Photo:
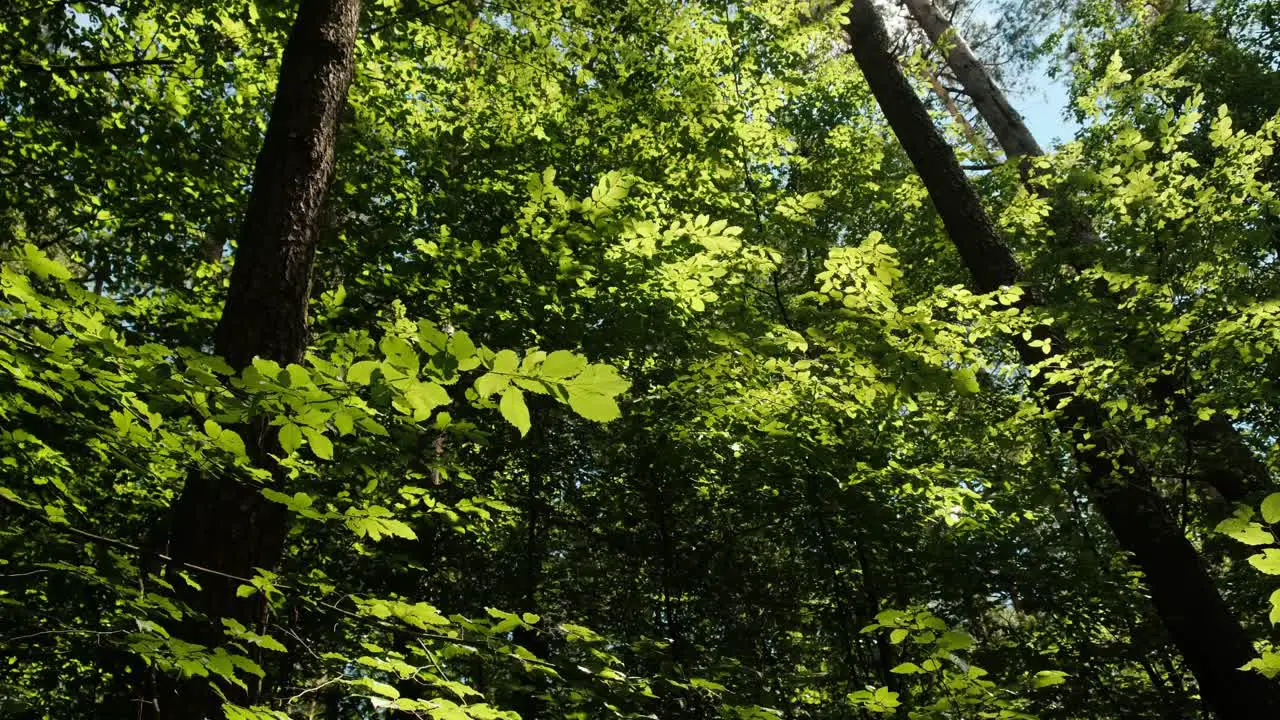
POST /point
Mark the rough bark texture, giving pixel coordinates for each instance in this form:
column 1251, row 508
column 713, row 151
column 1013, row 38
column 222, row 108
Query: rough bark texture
column 1005, row 122
column 966, row 222
column 220, row 523
column 266, row 309
column 1120, row 488
column 1224, row 461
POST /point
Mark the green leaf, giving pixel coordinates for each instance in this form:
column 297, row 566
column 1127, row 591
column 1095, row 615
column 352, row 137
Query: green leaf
column 1268, row 664
column 955, row 640
column 907, row 668
column 887, row 617
column 591, row 393
column 212, row 429
column 506, row 361
column 1241, row 530
column 1047, row 678
column 601, row 379
column 562, row 364
column 376, row 522
column 320, row 445
column 273, row 496
column 709, row 685
column 379, row 687
column 362, row 372
column 296, row 375
column 266, row 642
column 462, row 349
column 1268, row 561
column 886, row 697
column 965, row 381
column 592, row 406
column 228, row 440
column 220, row 663
column 290, row 437
column 344, row 422
column 1271, row 508
column 513, row 408
column 898, row 635
column 489, row 383
column 424, row 397
column 250, row 666
column 42, row 265
column 231, row 441
column 432, row 338
column 400, row 354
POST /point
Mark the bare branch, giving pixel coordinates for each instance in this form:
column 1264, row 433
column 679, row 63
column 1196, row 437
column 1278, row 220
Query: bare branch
column 99, row 67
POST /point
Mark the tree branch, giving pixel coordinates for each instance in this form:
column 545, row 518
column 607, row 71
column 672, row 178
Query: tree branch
column 99, row 67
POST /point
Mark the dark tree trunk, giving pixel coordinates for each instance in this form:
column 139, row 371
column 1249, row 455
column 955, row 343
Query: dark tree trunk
column 1197, row 619
column 958, row 205
column 266, row 309
column 220, row 523
column 1223, row 459
column 532, row 703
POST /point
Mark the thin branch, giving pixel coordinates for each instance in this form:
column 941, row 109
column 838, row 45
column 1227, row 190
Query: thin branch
column 26, row 574
column 99, row 67
column 68, row 631
column 301, row 642
column 319, row 687
column 409, row 16
column 496, row 53
column 30, row 10
column 122, row 545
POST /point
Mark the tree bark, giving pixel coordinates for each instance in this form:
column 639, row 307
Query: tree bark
column 1006, row 123
column 958, row 117
column 266, row 308
column 1120, row 488
column 1224, row 459
column 957, row 203
column 221, row 523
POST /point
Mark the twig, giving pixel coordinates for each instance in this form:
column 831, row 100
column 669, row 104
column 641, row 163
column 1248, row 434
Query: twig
column 301, row 642
column 99, row 67
column 321, row 686
column 112, row 542
column 25, row 574
column 68, row 631
column 409, row 16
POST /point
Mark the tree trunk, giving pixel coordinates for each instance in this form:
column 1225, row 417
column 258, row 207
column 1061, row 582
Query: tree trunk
column 221, row 523
column 1120, row 488
column 958, row 117
column 531, row 704
column 1005, row 122
column 958, row 205
column 1224, row 460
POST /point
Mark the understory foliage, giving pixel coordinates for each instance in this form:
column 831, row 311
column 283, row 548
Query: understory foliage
column 643, row 379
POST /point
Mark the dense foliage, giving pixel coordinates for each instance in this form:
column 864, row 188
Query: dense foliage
column 643, row 378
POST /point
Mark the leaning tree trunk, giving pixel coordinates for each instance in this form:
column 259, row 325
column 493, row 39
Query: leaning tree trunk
column 1224, row 459
column 1120, row 488
column 1005, row 122
column 220, row 523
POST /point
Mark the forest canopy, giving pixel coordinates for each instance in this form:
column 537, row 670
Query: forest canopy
column 586, row 359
